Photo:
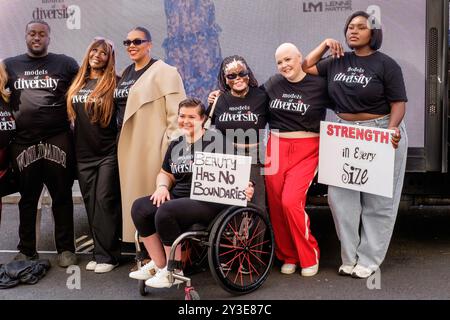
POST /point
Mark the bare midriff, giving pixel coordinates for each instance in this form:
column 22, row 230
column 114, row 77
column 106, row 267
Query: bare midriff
column 296, row 134
column 359, row 116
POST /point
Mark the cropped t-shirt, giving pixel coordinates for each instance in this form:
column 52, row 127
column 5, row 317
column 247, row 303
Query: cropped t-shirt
column 363, row 83
column 297, row 106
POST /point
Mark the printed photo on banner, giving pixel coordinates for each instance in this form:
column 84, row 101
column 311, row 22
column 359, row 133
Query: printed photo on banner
column 356, row 157
column 220, row 178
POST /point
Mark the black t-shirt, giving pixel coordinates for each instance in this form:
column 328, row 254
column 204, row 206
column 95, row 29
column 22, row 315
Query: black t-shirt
column 180, row 157
column 91, row 140
column 249, row 112
column 38, row 94
column 297, row 106
column 128, row 78
column 363, row 84
column 7, row 124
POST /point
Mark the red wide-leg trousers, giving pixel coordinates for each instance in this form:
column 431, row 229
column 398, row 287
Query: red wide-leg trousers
column 286, row 187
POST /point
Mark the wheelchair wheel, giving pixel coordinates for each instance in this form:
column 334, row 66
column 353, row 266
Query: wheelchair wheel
column 241, row 252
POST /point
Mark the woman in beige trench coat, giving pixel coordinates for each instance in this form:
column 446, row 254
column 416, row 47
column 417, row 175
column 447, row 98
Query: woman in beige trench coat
column 149, row 122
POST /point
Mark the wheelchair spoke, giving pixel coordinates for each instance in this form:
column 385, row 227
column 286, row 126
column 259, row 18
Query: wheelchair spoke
column 232, row 261
column 227, row 252
column 250, row 267
column 237, row 255
column 259, row 244
column 230, row 240
column 237, row 235
column 254, row 233
column 257, row 258
column 260, row 251
column 239, row 273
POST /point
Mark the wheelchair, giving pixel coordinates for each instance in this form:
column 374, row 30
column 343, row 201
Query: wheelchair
column 238, row 245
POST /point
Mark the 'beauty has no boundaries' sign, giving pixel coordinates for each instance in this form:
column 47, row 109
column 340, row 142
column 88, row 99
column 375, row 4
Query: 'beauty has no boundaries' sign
column 220, row 178
column 357, row 158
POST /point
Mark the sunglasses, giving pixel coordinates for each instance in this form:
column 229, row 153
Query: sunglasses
column 136, row 42
column 109, row 42
column 232, row 76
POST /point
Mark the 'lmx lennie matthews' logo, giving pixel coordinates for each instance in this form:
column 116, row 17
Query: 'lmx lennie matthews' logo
column 327, row 6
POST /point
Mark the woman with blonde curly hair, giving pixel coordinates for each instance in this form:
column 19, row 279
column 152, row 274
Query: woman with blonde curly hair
column 91, row 110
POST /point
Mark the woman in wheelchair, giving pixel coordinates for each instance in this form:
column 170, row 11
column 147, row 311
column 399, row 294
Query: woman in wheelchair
column 168, row 212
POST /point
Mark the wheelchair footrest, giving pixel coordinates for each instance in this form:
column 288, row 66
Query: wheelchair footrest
column 173, row 264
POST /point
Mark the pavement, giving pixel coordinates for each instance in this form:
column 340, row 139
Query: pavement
column 417, row 266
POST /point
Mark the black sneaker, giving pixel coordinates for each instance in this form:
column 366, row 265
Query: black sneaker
column 23, row 257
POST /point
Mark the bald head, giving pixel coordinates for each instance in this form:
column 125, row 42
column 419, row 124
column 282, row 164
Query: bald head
column 289, row 62
column 287, row 48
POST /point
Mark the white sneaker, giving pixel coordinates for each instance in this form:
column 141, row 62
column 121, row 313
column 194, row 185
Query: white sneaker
column 161, row 279
column 310, row 271
column 104, row 267
column 362, row 272
column 288, row 268
column 91, row 265
column 146, row 272
column 346, row 270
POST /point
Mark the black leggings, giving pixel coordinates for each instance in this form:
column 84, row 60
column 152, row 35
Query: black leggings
column 173, row 217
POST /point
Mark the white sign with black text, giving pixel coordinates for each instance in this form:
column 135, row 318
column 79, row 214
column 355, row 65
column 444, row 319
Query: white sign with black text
column 356, row 157
column 220, row 178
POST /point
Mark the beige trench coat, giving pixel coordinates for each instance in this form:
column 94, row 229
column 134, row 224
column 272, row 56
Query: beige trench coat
column 149, row 122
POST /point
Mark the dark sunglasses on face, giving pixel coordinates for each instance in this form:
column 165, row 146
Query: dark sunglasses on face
column 232, row 76
column 136, row 42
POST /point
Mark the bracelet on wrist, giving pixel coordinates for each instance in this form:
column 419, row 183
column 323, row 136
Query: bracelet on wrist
column 163, row 185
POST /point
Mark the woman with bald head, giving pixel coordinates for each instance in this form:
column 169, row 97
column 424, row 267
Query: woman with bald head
column 298, row 103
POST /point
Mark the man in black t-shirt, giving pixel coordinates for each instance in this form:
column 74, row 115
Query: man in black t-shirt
column 42, row 151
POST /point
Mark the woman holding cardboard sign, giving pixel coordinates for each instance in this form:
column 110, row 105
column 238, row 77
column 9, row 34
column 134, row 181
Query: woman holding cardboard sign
column 368, row 89
column 168, row 212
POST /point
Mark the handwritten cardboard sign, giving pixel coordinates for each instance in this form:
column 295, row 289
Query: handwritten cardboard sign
column 220, row 178
column 357, row 158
